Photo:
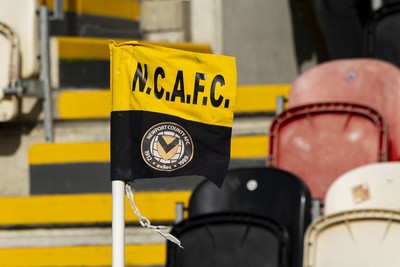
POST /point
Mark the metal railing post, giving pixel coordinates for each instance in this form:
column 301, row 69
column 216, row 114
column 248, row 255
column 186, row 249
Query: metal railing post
column 179, row 212
column 58, row 12
column 280, row 104
column 45, row 72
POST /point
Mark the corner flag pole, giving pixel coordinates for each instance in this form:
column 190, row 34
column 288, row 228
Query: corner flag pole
column 118, row 223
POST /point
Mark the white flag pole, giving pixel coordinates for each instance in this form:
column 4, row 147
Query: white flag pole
column 118, row 223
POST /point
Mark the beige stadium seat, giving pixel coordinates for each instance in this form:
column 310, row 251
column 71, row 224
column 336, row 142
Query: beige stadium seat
column 372, row 186
column 7, row 73
column 19, row 42
column 6, row 57
column 21, row 17
column 357, row 238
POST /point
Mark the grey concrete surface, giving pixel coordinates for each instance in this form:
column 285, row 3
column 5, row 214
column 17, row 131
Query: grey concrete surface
column 75, row 237
column 258, row 33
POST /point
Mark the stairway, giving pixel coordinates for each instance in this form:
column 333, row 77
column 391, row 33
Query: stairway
column 56, row 208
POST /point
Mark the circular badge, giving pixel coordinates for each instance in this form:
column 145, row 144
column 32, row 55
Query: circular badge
column 167, row 147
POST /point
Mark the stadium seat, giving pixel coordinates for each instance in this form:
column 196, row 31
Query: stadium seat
column 228, row 239
column 361, row 220
column 19, row 40
column 319, row 142
column 370, row 82
column 383, row 33
column 21, row 17
column 355, row 238
column 30, row 75
column 8, row 104
column 7, row 38
column 372, row 186
column 267, row 192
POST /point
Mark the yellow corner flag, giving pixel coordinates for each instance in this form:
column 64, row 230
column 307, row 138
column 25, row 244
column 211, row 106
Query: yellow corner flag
column 172, row 112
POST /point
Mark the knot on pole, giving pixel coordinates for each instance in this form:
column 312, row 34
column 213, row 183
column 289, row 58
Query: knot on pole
column 144, row 222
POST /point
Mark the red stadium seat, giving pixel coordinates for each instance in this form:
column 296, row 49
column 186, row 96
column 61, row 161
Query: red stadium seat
column 369, row 82
column 319, row 142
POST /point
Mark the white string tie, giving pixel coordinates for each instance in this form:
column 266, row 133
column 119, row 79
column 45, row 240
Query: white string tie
column 144, row 222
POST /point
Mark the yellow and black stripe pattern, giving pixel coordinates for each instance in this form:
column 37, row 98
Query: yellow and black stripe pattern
column 122, row 9
column 85, row 62
column 97, row 18
column 84, row 167
column 96, row 104
column 90, row 212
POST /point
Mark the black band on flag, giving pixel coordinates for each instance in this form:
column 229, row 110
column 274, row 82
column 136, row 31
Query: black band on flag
column 148, row 145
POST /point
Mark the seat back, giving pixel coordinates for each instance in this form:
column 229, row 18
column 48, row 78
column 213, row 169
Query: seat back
column 357, row 238
column 268, row 192
column 20, row 16
column 373, row 186
column 319, row 142
column 6, row 56
column 19, row 42
column 384, row 34
column 369, row 82
column 9, row 72
column 226, row 240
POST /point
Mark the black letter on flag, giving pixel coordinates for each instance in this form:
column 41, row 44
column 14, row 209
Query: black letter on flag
column 179, row 83
column 216, row 102
column 159, row 72
column 197, row 87
column 139, row 75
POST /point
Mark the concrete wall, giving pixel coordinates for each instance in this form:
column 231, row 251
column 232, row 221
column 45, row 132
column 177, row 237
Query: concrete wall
column 257, row 32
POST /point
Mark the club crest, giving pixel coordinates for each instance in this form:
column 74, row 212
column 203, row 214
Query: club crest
column 167, row 146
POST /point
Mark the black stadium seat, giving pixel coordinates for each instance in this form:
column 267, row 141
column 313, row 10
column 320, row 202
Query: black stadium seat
column 271, row 193
column 384, row 34
column 229, row 239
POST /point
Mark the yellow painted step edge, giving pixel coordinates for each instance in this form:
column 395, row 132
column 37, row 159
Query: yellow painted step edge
column 242, row 147
column 121, row 9
column 86, row 208
column 95, row 104
column 135, row 255
column 53, row 153
column 259, row 98
column 73, row 48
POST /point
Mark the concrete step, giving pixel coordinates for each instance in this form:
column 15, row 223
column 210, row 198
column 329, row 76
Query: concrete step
column 80, row 154
column 103, row 8
column 19, row 138
column 97, row 18
column 74, row 236
column 78, row 62
column 151, row 255
column 72, row 104
column 67, row 168
column 75, row 230
column 79, row 247
column 85, row 209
